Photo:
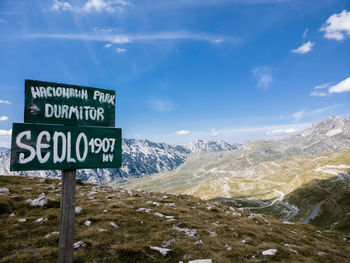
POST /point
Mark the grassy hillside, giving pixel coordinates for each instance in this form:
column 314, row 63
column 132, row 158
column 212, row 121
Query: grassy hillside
column 333, row 195
column 189, row 227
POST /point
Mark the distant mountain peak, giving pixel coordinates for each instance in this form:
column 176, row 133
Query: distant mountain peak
column 329, row 126
column 209, row 146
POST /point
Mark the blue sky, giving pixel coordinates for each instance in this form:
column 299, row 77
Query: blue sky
column 232, row 69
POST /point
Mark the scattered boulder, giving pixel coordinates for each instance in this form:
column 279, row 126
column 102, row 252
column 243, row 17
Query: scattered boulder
column 4, row 191
column 22, row 220
column 269, row 252
column 78, row 210
column 55, row 233
column 79, row 244
column 40, row 201
column 41, row 219
column 161, row 250
column 87, row 223
column 113, row 224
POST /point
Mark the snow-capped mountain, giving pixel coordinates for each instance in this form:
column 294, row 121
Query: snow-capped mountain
column 209, row 146
column 140, row 157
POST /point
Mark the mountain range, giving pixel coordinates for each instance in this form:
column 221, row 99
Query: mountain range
column 140, row 158
column 217, row 171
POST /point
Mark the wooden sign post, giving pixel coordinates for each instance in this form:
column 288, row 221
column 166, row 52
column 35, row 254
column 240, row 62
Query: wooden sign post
column 67, row 143
column 66, row 240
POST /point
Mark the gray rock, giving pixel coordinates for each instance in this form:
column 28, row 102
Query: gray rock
column 40, row 201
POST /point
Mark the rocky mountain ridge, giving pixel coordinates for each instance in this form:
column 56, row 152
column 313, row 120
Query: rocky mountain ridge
column 140, row 157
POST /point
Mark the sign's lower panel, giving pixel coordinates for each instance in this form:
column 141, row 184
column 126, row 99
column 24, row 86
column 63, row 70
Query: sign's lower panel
column 55, row 147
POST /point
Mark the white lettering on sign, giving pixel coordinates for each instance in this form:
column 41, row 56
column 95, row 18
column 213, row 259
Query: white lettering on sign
column 40, row 145
column 27, row 135
column 77, row 147
column 107, row 157
column 76, row 112
column 104, row 97
column 61, row 147
column 56, row 158
column 49, row 92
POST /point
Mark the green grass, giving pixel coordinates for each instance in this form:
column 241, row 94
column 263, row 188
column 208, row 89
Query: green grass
column 137, row 231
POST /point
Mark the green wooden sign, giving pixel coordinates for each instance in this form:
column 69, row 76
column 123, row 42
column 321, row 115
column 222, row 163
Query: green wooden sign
column 51, row 147
column 49, row 102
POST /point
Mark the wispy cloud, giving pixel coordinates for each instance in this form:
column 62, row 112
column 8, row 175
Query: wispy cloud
column 182, row 132
column 5, row 101
column 305, row 32
column 161, row 105
column 317, row 93
column 264, row 76
column 341, row 87
column 107, row 45
column 281, row 131
column 322, row 86
column 137, row 37
column 304, row 48
column 309, row 113
column 97, row 6
column 120, row 50
column 3, row 118
column 337, row 26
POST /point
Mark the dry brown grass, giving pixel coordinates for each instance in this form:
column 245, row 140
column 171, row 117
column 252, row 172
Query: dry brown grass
column 137, row 231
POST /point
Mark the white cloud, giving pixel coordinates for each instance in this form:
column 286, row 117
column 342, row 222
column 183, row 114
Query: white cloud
column 309, row 113
column 322, row 86
column 264, row 76
column 217, row 41
column 182, row 132
column 298, row 115
column 120, row 40
column 5, row 101
column 107, row 45
column 161, row 105
column 305, row 48
column 61, row 6
column 341, row 87
column 316, row 93
column 281, row 131
column 5, row 138
column 305, row 32
column 120, row 50
column 126, row 38
column 109, row 6
column 337, row 26
column 3, row 118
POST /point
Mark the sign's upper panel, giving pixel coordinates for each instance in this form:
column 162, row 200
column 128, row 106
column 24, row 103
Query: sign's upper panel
column 48, row 102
